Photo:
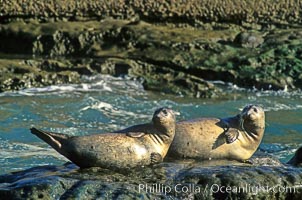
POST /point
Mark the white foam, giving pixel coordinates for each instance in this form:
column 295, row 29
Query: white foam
column 98, row 105
column 22, row 150
column 110, row 110
column 100, row 83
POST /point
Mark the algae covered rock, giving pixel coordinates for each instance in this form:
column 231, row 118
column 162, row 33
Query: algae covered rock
column 183, row 45
column 249, row 39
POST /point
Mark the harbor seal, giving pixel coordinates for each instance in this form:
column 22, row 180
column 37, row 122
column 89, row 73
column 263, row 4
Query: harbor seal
column 117, row 151
column 233, row 138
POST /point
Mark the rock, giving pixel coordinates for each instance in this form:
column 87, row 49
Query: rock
column 216, row 13
column 264, row 159
column 249, row 39
column 296, row 160
column 177, row 180
column 183, row 48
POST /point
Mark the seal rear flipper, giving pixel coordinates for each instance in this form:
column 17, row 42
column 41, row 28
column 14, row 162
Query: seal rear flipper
column 55, row 140
column 155, row 158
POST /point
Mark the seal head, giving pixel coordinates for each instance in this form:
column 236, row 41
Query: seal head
column 164, row 119
column 252, row 122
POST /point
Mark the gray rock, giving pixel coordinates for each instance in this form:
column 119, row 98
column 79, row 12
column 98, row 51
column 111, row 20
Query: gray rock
column 249, row 39
column 177, row 180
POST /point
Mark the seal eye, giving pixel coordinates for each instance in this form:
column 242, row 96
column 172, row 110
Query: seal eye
column 255, row 110
column 165, row 112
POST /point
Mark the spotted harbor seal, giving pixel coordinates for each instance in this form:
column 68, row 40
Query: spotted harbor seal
column 233, row 138
column 117, row 150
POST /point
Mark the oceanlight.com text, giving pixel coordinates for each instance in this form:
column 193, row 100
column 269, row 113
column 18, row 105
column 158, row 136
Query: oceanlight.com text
column 214, row 188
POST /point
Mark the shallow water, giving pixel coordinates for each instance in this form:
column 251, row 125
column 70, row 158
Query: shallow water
column 105, row 103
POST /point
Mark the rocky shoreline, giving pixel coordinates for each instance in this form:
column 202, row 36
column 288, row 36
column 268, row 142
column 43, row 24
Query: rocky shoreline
column 175, row 47
column 202, row 14
column 176, row 180
column 181, row 47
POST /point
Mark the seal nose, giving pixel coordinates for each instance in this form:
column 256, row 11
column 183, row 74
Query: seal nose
column 160, row 113
column 164, row 112
column 157, row 116
column 252, row 110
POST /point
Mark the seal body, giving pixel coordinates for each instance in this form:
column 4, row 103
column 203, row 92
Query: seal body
column 117, row 150
column 233, row 138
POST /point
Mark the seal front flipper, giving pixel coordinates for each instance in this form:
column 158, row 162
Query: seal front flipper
column 230, row 133
column 155, row 158
column 135, row 134
column 231, row 136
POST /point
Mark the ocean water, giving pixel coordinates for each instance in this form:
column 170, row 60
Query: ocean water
column 104, row 103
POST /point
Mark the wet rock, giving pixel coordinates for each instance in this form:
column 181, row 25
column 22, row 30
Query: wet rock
column 36, row 73
column 164, row 79
column 177, row 180
column 264, row 159
column 296, row 160
column 249, row 39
